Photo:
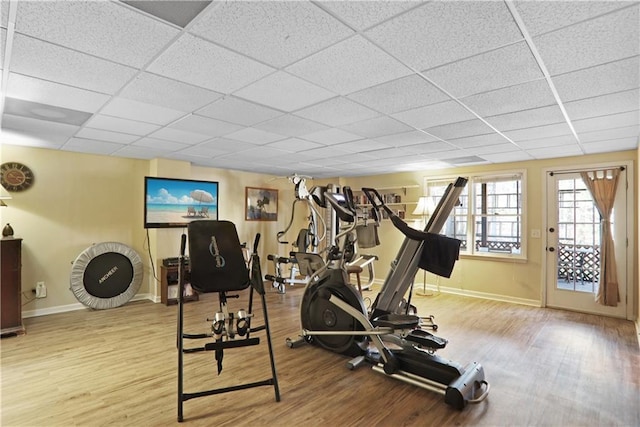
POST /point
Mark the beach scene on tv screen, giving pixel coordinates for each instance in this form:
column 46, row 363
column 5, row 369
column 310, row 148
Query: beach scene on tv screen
column 179, row 202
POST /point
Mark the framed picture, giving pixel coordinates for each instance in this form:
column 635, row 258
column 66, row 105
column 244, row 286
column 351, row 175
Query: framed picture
column 261, row 204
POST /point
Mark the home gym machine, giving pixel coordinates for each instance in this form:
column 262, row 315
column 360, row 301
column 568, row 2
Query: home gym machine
column 333, row 315
column 217, row 264
column 308, row 239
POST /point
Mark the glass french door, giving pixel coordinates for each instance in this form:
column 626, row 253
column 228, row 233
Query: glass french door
column 573, row 245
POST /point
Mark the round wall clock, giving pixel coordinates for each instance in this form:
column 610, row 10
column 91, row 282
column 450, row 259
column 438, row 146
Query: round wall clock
column 15, row 176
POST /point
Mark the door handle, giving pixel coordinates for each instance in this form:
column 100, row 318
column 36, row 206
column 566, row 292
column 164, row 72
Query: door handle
column 551, row 230
column 551, row 249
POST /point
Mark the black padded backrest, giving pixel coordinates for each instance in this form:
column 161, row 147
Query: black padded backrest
column 216, row 258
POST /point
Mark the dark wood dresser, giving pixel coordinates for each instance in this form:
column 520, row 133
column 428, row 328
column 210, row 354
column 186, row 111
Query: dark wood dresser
column 11, row 286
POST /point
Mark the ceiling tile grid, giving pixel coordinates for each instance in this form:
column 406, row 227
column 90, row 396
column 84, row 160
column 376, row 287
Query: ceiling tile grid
column 349, row 66
column 53, row 63
column 201, row 63
column 441, row 32
column 104, row 29
column 488, row 71
column 284, row 87
column 583, row 45
column 284, row 92
column 276, row 33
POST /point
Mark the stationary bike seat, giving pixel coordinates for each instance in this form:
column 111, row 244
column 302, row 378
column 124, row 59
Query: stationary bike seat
column 397, row 321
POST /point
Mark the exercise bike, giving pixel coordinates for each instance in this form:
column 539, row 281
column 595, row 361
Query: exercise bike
column 333, row 315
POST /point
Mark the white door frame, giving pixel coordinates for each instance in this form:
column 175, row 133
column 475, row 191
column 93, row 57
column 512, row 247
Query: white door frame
column 631, row 291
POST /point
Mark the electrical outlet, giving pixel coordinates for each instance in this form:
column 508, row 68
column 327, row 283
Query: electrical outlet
column 41, row 290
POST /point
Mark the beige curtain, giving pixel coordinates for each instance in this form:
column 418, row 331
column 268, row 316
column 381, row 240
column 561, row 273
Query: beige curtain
column 602, row 185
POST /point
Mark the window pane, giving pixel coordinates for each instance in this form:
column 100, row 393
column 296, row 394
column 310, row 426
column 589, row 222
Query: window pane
column 498, row 215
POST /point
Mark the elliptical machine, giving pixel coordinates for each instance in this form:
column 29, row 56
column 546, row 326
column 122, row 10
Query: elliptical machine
column 333, row 315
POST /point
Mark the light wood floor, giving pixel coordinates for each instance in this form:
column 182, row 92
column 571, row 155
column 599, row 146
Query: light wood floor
column 118, row 367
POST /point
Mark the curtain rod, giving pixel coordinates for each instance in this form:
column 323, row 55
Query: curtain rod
column 585, row 170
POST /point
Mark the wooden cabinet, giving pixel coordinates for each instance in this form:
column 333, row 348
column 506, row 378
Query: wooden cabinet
column 169, row 285
column 11, row 286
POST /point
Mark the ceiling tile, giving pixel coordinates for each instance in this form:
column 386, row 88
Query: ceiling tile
column 349, row 66
column 57, row 133
column 376, row 127
column 140, row 111
column 441, row 32
column 168, row 93
column 430, row 148
column 611, row 145
column 160, row 144
column 103, row 29
column 537, row 132
column 81, row 145
column 550, row 141
column 294, row 145
column 552, row 152
column 290, row 125
column 284, row 91
column 434, row 115
column 116, row 124
column 527, row 118
column 514, row 98
column 239, row 111
column 332, row 136
column 607, row 122
column 492, row 70
column 482, row 150
column 609, row 134
column 31, row 139
column 50, row 62
column 178, row 135
column 513, row 156
column 364, row 14
column 105, row 135
column 405, row 138
column 479, row 140
column 542, row 16
column 460, row 129
column 35, row 110
column 277, row 33
column 362, row 145
column 46, row 92
column 401, row 94
column 337, row 112
column 227, row 145
column 135, row 152
column 260, row 153
column 177, row 12
column 255, row 136
column 599, row 80
column 3, row 42
column 205, row 126
column 603, row 105
column 4, row 14
column 201, row 63
column 202, row 151
column 583, row 45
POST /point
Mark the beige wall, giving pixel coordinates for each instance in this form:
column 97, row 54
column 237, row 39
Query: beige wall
column 514, row 280
column 80, row 199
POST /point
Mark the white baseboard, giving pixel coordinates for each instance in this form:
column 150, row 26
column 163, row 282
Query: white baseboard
column 483, row 295
column 467, row 293
column 77, row 306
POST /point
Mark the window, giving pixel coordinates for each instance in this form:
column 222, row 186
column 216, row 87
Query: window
column 489, row 217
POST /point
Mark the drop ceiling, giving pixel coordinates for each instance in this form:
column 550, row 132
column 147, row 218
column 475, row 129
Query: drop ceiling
column 326, row 89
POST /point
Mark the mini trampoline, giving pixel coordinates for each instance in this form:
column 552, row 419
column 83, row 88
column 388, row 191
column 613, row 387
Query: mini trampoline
column 106, row 275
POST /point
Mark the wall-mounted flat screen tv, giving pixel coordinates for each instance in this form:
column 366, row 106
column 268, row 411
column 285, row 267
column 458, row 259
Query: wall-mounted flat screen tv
column 171, row 202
